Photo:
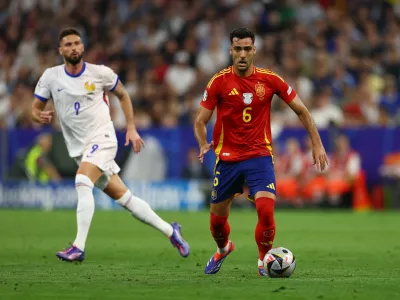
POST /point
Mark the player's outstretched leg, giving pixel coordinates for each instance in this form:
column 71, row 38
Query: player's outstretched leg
column 220, row 231
column 142, row 211
column 265, row 229
column 84, row 215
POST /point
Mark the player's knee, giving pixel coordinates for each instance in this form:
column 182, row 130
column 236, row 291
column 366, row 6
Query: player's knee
column 217, row 223
column 83, row 181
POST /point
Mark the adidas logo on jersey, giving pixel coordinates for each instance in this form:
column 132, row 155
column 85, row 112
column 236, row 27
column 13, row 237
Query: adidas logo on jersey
column 271, row 186
column 233, row 92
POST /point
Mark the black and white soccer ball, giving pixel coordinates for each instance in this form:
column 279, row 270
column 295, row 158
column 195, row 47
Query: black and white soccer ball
column 279, row 262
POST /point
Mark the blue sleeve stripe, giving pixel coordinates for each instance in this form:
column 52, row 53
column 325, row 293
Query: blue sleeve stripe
column 41, row 98
column 115, row 85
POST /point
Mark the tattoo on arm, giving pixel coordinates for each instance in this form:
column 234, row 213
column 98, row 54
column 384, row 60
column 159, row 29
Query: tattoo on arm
column 126, row 103
column 120, row 91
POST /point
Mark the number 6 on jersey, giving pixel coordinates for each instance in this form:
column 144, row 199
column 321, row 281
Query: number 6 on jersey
column 246, row 115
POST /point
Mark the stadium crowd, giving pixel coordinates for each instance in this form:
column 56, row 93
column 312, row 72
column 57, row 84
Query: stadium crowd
column 342, row 58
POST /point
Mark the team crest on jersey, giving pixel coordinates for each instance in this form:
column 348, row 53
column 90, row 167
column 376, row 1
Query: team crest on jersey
column 90, row 87
column 260, row 90
column 247, row 98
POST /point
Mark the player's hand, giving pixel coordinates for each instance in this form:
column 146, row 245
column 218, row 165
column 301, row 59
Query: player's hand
column 133, row 136
column 320, row 157
column 46, row 117
column 204, row 149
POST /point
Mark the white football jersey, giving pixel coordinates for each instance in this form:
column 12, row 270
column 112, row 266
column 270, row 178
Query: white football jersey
column 81, row 104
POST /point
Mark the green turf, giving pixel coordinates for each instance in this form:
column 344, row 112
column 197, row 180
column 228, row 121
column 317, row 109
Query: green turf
column 340, row 256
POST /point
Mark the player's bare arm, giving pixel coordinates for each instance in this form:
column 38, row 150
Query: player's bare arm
column 39, row 115
column 131, row 133
column 200, row 130
column 318, row 150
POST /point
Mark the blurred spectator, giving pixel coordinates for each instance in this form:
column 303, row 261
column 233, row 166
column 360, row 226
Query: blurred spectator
column 313, row 181
column 308, row 11
column 288, row 169
column 189, row 110
column 180, row 76
column 390, row 99
column 325, row 112
column 194, row 168
column 17, row 112
column 4, row 104
column 213, row 58
column 38, row 166
column 150, row 165
column 343, row 173
column 343, row 84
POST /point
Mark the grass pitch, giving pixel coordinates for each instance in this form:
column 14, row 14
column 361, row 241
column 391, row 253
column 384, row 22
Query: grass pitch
column 340, row 255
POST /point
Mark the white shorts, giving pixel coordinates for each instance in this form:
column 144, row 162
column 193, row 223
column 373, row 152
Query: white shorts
column 102, row 156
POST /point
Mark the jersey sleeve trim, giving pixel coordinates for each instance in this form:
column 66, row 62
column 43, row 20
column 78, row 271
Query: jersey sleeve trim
column 268, row 72
column 43, row 99
column 292, row 94
column 209, row 106
column 115, row 85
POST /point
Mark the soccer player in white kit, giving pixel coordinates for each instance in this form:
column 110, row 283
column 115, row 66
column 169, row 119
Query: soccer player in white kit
column 78, row 90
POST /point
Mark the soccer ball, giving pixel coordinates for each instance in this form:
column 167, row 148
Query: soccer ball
column 279, row 262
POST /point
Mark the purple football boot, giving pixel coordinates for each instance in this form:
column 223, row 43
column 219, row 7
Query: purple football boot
column 215, row 262
column 71, row 254
column 261, row 271
column 178, row 242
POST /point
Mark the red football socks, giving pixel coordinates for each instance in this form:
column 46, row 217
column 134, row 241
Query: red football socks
column 265, row 229
column 220, row 229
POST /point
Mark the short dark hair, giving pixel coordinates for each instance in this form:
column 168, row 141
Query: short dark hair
column 68, row 31
column 242, row 33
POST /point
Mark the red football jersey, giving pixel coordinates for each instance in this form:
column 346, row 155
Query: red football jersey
column 243, row 129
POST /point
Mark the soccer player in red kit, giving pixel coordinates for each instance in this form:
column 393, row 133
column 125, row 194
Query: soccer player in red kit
column 242, row 140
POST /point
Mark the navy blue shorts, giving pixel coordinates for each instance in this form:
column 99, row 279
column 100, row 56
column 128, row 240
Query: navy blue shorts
column 230, row 177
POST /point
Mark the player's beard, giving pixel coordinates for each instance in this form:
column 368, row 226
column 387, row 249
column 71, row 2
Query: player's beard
column 243, row 68
column 73, row 60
